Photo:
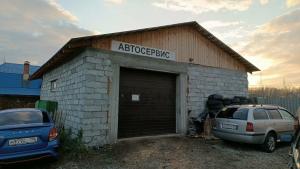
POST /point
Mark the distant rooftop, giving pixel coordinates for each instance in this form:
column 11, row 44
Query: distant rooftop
column 16, row 68
column 12, row 83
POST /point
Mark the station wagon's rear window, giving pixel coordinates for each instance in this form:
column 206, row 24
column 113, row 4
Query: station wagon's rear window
column 22, row 117
column 274, row 114
column 286, row 115
column 234, row 113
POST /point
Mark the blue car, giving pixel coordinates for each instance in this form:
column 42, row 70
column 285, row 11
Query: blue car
column 27, row 134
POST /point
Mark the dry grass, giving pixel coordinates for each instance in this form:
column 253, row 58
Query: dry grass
column 274, row 92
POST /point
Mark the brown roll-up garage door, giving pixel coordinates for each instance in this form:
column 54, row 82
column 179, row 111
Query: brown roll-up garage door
column 147, row 103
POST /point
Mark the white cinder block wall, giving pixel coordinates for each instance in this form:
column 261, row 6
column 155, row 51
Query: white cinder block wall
column 204, row 81
column 82, row 94
column 84, row 87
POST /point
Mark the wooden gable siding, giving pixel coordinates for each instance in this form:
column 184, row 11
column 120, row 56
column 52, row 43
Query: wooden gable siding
column 185, row 41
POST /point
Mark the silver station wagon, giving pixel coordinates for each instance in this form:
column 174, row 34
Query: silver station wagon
column 255, row 124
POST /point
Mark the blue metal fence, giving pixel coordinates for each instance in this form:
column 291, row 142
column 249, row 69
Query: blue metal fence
column 290, row 103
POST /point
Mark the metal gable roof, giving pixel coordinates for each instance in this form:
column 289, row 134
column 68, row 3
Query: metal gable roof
column 16, row 68
column 11, row 81
column 72, row 46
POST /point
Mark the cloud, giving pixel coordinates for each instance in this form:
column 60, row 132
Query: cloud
column 229, row 32
column 263, row 2
column 200, row 6
column 62, row 10
column 35, row 29
column 292, row 3
column 218, row 24
column 117, row 2
column 275, row 46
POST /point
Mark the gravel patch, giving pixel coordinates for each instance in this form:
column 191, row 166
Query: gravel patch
column 174, row 153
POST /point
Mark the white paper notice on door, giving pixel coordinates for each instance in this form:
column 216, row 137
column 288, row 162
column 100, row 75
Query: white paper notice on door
column 135, row 97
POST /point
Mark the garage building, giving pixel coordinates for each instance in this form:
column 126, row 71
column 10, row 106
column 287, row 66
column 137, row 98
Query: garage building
column 142, row 82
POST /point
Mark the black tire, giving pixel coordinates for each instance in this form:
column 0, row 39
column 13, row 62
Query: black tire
column 215, row 97
column 269, row 144
column 244, row 102
column 236, row 101
column 213, row 103
column 240, row 97
column 216, row 107
column 212, row 115
column 253, row 100
column 227, row 101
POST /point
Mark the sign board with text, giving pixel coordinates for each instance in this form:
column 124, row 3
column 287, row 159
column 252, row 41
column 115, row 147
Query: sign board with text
column 142, row 50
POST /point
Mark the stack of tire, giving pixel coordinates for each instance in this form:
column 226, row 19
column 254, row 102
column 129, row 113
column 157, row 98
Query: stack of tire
column 216, row 102
column 239, row 100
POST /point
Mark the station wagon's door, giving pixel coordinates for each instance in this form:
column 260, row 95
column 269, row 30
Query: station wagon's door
column 288, row 120
column 261, row 120
column 276, row 121
column 279, row 124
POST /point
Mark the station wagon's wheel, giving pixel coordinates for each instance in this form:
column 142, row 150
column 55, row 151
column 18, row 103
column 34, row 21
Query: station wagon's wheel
column 292, row 164
column 270, row 143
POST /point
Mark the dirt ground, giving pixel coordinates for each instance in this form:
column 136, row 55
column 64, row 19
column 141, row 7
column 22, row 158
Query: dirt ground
column 173, row 153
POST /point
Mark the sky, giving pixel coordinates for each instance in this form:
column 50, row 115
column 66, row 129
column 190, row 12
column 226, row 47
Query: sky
column 265, row 32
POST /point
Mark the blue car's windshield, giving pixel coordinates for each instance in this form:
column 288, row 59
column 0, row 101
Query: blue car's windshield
column 22, row 117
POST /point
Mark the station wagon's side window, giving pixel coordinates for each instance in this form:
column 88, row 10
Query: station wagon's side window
column 274, row 114
column 260, row 114
column 286, row 115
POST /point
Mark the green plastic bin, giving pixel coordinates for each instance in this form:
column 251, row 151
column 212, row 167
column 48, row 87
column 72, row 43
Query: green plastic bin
column 49, row 106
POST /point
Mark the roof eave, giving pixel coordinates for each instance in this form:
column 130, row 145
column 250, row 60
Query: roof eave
column 251, row 68
column 65, row 50
column 71, row 47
